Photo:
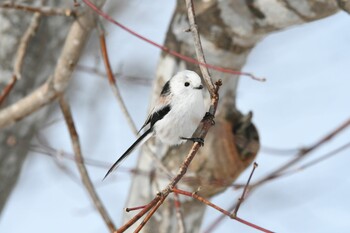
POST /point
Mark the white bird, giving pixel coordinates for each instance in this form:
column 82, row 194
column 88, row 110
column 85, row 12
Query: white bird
column 176, row 115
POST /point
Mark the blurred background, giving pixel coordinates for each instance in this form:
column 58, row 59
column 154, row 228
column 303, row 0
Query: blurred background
column 305, row 97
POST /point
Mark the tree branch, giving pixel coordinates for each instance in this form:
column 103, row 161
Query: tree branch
column 80, row 163
column 21, row 52
column 58, row 83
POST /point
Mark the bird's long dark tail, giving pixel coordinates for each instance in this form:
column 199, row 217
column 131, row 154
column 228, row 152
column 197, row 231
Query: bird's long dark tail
column 142, row 138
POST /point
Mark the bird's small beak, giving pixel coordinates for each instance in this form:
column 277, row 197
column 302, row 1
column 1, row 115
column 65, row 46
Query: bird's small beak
column 199, row 87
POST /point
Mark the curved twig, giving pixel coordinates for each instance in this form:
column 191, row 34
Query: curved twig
column 81, row 166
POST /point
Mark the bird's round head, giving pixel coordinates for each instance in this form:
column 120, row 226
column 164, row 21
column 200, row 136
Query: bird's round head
column 186, row 82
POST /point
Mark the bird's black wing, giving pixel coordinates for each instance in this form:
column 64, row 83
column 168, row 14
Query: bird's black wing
column 156, row 116
column 163, row 94
column 152, row 119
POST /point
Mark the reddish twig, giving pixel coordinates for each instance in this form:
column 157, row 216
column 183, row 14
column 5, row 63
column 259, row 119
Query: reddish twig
column 113, row 83
column 80, row 163
column 225, row 212
column 179, row 215
column 150, row 214
column 135, row 208
column 167, row 50
column 139, row 215
column 6, row 91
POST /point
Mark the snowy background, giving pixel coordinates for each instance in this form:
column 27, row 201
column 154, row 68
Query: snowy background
column 306, row 96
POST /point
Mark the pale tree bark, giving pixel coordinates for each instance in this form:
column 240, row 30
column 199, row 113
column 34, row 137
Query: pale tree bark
column 38, row 63
column 49, row 60
column 229, row 30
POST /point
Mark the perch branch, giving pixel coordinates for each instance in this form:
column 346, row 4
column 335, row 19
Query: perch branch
column 204, row 128
column 198, row 46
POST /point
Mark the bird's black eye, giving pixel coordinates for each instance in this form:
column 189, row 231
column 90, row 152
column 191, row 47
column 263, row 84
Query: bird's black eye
column 187, row 84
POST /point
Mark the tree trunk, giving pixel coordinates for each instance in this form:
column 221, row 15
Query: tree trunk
column 37, row 66
column 45, row 74
column 229, row 30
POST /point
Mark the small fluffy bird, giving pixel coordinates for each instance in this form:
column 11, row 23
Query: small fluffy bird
column 176, row 115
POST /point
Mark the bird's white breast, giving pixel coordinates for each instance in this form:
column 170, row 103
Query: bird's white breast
column 182, row 120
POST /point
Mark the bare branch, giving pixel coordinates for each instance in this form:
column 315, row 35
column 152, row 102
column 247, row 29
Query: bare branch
column 198, row 47
column 240, row 200
column 225, row 212
column 179, row 214
column 58, row 83
column 302, row 154
column 21, row 51
column 47, row 11
column 80, row 163
column 113, row 84
column 23, row 45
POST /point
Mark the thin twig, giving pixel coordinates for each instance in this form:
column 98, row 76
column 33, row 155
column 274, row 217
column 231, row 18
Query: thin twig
column 129, row 209
column 6, row 91
column 113, row 84
column 225, row 212
column 124, row 77
column 302, row 154
column 47, row 11
column 23, row 44
column 80, row 163
column 317, row 160
column 279, row 172
column 167, row 50
column 179, row 214
column 241, row 199
column 149, row 215
column 198, row 46
column 21, row 52
column 279, row 151
column 139, row 215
